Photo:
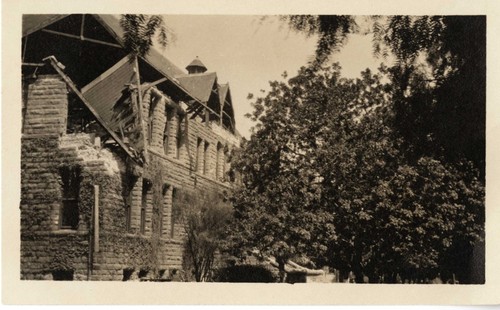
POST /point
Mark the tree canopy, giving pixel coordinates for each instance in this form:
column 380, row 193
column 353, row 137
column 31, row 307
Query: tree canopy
column 440, row 76
column 330, row 173
column 139, row 31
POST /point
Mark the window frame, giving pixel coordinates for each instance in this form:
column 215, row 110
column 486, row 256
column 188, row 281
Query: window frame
column 70, row 197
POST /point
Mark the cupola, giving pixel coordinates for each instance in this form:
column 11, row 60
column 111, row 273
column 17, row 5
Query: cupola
column 196, row 66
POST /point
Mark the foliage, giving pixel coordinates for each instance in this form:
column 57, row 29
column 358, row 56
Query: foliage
column 245, row 274
column 332, row 29
column 139, row 31
column 442, row 101
column 327, row 175
column 440, row 76
column 204, row 216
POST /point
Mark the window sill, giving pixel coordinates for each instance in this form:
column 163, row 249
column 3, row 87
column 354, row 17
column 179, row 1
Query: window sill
column 68, row 231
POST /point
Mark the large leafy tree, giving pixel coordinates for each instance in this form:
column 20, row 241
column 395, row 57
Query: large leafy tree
column 440, row 76
column 435, row 121
column 140, row 30
column 327, row 175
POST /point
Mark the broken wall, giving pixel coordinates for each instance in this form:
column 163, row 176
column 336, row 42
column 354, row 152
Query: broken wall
column 143, row 241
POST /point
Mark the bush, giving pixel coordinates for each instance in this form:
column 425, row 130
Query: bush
column 246, row 273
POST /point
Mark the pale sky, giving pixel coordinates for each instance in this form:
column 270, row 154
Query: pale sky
column 249, row 53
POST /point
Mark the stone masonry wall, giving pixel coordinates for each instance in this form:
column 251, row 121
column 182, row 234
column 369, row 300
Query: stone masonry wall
column 124, row 251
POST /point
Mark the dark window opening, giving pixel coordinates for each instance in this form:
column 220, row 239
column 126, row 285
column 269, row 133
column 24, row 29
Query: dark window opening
column 179, row 135
column 69, row 213
column 166, row 133
column 143, row 220
column 224, row 165
column 205, row 158
column 62, row 275
column 80, row 119
column 199, row 167
column 232, row 177
column 161, row 273
column 146, row 185
column 150, row 122
column 218, row 163
column 127, row 274
column 174, row 211
column 150, row 130
column 143, row 273
column 165, row 139
column 128, row 217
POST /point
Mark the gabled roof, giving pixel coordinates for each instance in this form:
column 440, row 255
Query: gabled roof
column 35, row 22
column 199, row 85
column 154, row 57
column 196, row 86
column 223, row 91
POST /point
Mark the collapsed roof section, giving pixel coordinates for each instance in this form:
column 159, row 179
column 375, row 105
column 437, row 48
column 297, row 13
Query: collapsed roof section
column 90, row 47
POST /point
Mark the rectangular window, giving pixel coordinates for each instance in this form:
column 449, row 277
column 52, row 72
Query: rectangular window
column 179, row 135
column 62, row 275
column 69, row 213
column 165, row 140
column 205, row 158
column 174, row 209
column 127, row 274
column 144, row 205
column 218, row 163
column 130, row 202
column 128, row 217
column 150, row 131
column 199, row 155
column 164, row 208
column 224, row 165
column 166, row 132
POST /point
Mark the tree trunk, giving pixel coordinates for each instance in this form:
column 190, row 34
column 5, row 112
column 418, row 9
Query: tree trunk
column 281, row 268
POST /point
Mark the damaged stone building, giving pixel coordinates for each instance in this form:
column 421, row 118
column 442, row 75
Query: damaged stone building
column 109, row 143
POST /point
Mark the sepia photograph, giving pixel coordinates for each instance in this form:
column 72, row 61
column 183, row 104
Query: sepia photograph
column 322, row 150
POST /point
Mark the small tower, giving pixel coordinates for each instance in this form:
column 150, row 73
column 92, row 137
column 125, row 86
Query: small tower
column 196, row 66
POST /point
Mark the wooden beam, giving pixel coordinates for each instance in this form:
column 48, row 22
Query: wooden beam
column 221, row 111
column 207, row 116
column 53, row 62
column 31, row 64
column 24, row 49
column 148, row 86
column 197, row 111
column 82, row 26
column 96, row 218
column 139, row 104
column 72, row 36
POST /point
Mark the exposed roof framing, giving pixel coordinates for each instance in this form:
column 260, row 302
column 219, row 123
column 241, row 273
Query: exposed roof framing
column 81, row 37
column 55, row 64
column 169, row 75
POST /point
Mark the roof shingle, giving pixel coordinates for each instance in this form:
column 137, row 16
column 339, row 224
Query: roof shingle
column 199, row 85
